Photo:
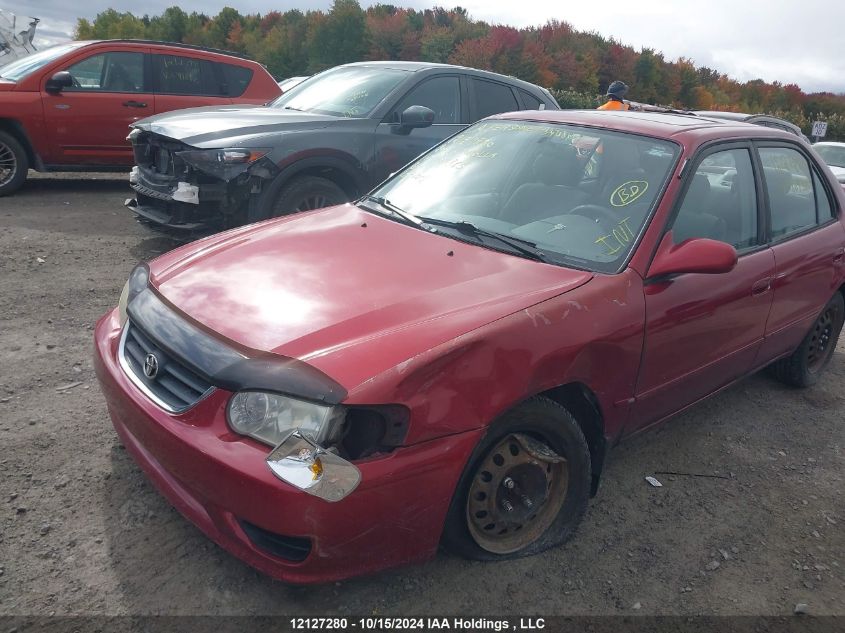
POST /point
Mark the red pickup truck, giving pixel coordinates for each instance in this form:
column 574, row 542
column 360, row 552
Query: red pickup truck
column 68, row 108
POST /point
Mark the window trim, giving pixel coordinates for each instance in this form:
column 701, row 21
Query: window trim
column 145, row 75
column 689, row 172
column 812, row 165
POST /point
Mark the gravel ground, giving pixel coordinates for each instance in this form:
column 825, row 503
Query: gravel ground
column 84, row 533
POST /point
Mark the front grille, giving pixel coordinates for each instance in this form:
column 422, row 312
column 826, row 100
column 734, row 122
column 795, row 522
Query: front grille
column 151, row 193
column 173, row 386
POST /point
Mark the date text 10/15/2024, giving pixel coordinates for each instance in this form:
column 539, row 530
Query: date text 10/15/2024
column 416, row 624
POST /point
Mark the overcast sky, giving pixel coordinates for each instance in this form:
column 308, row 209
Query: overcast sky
column 786, row 41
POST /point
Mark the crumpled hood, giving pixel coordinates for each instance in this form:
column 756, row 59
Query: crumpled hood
column 332, row 282
column 209, row 126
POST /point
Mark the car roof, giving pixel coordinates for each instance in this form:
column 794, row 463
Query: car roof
column 424, row 66
column 830, row 143
column 192, row 47
column 657, row 124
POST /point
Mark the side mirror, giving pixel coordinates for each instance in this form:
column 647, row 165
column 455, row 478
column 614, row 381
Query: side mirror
column 416, row 116
column 59, row 82
column 697, row 255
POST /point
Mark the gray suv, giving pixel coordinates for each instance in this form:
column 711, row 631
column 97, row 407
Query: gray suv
column 330, row 139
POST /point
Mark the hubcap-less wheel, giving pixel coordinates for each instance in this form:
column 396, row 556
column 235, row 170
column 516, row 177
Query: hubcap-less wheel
column 313, row 202
column 8, row 164
column 516, row 494
column 820, row 347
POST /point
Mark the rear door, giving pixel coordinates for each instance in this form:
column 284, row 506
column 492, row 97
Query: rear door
column 395, row 146
column 187, row 81
column 490, row 97
column 704, row 331
column 807, row 240
column 88, row 122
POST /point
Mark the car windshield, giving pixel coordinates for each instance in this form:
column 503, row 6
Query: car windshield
column 345, row 91
column 579, row 196
column 832, row 155
column 22, row 67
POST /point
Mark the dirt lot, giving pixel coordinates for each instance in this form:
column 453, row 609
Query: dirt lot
column 84, row 533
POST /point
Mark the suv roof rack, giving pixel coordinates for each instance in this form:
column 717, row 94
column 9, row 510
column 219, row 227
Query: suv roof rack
column 181, row 45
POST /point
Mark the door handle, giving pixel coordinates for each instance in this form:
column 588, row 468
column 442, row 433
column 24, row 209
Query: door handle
column 761, row 287
column 134, row 104
column 839, row 256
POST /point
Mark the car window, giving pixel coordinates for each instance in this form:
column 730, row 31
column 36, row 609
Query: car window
column 720, row 202
column 492, row 98
column 526, row 180
column 236, row 79
column 825, row 208
column 831, row 154
column 25, row 66
column 178, row 75
column 347, row 91
column 441, row 94
column 792, row 199
column 118, row 71
column 529, row 101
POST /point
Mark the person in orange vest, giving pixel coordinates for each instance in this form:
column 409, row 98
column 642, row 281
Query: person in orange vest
column 615, row 93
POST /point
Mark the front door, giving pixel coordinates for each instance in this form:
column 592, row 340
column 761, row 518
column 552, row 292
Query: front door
column 88, row 121
column 704, row 331
column 395, row 146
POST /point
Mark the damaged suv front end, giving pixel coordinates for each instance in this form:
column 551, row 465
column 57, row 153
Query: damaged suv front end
column 183, row 187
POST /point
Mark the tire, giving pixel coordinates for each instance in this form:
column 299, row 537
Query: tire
column 306, row 193
column 14, row 164
column 806, row 364
column 557, row 508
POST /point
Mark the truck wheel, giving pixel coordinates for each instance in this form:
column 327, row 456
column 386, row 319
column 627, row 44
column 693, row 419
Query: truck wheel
column 805, row 365
column 306, row 194
column 14, row 164
column 525, row 488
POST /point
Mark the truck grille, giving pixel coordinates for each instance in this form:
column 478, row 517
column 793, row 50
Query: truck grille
column 172, row 386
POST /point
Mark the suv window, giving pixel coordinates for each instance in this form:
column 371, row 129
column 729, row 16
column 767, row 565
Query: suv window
column 792, row 191
column 185, row 76
column 236, row 79
column 441, row 94
column 718, row 208
column 109, row 72
column 529, row 101
column 492, row 98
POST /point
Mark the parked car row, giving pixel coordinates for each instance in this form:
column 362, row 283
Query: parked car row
column 440, row 340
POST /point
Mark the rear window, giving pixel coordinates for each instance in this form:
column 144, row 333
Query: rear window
column 236, row 79
column 529, row 101
column 492, row 98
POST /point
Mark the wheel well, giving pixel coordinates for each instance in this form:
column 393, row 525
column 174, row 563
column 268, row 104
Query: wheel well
column 338, row 176
column 13, row 127
column 842, row 290
column 583, row 404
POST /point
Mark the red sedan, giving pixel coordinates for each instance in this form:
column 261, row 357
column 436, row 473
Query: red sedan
column 448, row 359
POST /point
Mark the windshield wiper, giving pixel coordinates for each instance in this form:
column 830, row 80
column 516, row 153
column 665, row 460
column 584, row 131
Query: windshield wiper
column 524, row 247
column 407, row 218
column 292, row 108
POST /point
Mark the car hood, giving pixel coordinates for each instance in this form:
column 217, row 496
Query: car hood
column 207, row 126
column 329, row 283
column 839, row 172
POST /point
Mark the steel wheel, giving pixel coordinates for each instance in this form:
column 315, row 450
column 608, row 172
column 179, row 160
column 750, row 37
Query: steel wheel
column 313, row 202
column 515, row 494
column 820, row 347
column 8, row 164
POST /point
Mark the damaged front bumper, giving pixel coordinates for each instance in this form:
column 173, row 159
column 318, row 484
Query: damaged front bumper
column 183, row 188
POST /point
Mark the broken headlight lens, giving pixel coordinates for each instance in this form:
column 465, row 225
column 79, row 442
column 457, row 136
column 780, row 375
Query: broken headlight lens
column 137, row 282
column 271, row 417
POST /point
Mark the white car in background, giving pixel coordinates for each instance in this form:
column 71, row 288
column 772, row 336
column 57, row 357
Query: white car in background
column 834, row 155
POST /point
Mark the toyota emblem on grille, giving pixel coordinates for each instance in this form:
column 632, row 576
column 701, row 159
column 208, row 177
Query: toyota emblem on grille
column 150, row 366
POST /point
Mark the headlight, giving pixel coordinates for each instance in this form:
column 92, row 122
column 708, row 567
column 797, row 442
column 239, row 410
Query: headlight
column 138, row 280
column 222, row 162
column 270, row 417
